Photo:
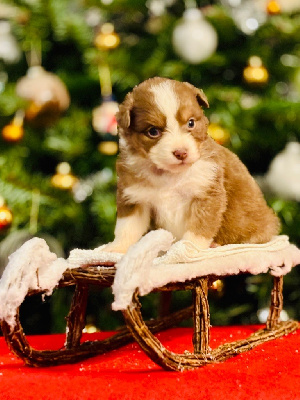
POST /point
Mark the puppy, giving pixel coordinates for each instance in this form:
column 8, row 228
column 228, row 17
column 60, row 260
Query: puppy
column 172, row 175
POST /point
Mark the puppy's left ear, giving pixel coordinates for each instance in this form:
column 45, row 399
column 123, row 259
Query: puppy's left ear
column 200, row 96
column 123, row 115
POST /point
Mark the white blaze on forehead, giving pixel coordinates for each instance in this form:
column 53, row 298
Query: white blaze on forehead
column 166, row 100
column 174, row 137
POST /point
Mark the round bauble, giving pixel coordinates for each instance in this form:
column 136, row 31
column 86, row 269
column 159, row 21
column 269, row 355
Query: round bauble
column 248, row 15
column 158, row 7
column 13, row 132
column 107, row 38
column 217, row 285
column 194, row 39
column 283, row 176
column 64, row 179
column 273, row 7
column 47, row 95
column 104, row 118
column 255, row 72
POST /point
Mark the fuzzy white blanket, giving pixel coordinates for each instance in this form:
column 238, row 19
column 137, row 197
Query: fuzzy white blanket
column 143, row 267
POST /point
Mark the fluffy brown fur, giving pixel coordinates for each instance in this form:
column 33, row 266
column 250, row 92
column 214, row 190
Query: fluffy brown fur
column 172, row 175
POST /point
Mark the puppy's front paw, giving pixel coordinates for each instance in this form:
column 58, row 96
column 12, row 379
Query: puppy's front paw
column 114, row 247
column 214, row 245
column 199, row 241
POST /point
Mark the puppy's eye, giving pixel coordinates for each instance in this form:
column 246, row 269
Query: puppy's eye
column 191, row 123
column 153, row 133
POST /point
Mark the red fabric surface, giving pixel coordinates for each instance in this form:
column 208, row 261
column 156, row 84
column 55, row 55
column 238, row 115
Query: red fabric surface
column 270, row 371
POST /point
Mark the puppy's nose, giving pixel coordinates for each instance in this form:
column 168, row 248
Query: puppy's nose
column 180, row 154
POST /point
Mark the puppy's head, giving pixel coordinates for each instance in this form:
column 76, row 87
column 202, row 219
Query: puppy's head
column 162, row 120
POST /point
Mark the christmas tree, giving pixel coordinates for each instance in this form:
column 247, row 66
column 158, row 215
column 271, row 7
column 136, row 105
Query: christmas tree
column 65, row 64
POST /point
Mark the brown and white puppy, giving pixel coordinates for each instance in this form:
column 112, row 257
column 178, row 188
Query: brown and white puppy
column 171, row 175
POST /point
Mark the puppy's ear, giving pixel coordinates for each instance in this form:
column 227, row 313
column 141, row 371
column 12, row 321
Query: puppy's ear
column 200, row 96
column 123, row 115
column 202, row 99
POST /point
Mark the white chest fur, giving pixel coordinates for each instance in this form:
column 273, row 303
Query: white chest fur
column 171, row 212
column 169, row 196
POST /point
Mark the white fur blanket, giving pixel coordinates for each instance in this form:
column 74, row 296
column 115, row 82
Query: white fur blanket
column 33, row 266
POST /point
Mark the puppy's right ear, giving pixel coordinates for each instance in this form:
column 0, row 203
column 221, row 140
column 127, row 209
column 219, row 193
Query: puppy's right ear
column 123, row 115
column 200, row 96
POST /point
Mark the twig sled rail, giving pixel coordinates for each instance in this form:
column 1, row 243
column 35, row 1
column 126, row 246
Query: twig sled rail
column 203, row 354
column 73, row 350
column 137, row 273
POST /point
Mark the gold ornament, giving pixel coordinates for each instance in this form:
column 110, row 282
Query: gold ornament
column 90, row 328
column 107, row 38
column 5, row 215
column 255, row 72
column 218, row 133
column 109, row 148
column 63, row 179
column 217, row 285
column 273, row 7
column 47, row 95
column 14, row 131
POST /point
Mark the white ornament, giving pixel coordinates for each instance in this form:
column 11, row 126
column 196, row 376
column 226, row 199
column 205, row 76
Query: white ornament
column 247, row 14
column 158, row 7
column 9, row 49
column 93, row 17
column 42, row 87
column 283, row 177
column 194, row 39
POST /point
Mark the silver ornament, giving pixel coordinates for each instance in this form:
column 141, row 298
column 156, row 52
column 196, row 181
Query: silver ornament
column 194, row 39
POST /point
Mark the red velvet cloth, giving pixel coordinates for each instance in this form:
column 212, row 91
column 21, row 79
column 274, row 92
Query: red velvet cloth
column 268, row 372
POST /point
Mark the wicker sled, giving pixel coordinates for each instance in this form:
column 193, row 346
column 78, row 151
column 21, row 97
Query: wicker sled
column 143, row 332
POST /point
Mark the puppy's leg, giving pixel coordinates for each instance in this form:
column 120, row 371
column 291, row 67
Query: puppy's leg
column 129, row 229
column 205, row 218
column 199, row 240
